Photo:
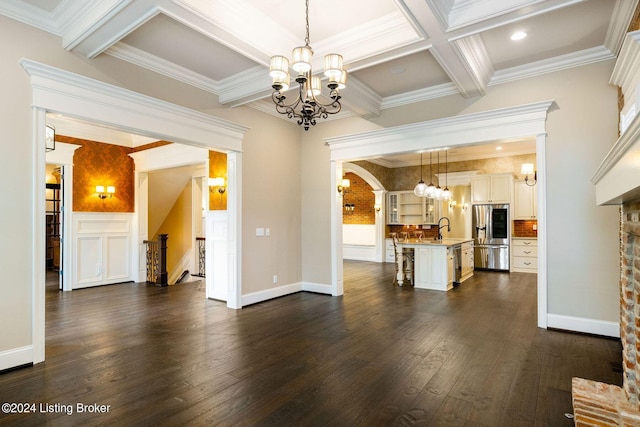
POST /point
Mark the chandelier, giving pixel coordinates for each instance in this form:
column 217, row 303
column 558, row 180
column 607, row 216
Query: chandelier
column 307, row 107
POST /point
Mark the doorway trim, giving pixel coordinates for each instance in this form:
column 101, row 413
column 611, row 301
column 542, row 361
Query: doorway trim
column 76, row 96
column 520, row 121
column 379, row 193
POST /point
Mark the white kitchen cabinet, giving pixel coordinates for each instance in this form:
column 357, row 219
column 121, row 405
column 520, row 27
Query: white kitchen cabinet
column 525, row 255
column 431, row 268
column 450, row 267
column 525, row 201
column 392, row 208
column 494, row 188
column 467, row 261
column 405, row 208
column 389, row 251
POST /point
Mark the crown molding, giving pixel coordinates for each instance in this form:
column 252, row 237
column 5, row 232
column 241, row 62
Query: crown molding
column 244, row 87
column 151, row 62
column 361, row 99
column 552, row 65
column 626, row 72
column 476, row 60
column 513, row 122
column 386, row 33
column 467, row 12
column 87, row 18
column 619, row 23
column 96, row 101
column 420, row 95
column 31, row 15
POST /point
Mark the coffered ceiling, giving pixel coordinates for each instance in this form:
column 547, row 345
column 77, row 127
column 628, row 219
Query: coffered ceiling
column 397, row 52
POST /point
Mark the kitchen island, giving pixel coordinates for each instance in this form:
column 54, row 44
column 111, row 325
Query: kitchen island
column 438, row 263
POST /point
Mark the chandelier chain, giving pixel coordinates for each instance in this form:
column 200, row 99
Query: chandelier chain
column 307, row 40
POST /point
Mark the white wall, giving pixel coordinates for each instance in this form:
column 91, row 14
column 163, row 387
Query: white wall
column 582, row 238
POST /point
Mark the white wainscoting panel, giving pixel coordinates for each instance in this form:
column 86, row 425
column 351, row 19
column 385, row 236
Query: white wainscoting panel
column 88, row 265
column 102, row 249
column 117, row 258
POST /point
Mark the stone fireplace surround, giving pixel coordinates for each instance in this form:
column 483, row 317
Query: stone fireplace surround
column 617, row 182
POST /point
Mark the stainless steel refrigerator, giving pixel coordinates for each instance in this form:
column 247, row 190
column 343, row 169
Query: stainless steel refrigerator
column 490, row 230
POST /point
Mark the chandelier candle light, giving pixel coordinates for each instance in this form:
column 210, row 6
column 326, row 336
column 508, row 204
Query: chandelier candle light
column 306, row 108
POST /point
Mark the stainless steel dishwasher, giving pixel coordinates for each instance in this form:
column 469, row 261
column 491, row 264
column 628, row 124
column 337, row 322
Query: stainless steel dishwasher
column 457, row 263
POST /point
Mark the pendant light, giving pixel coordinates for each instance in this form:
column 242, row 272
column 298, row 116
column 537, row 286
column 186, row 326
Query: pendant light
column 421, row 189
column 438, row 192
column 431, row 189
column 446, row 193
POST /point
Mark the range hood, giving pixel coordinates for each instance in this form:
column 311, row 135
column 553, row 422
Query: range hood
column 617, row 180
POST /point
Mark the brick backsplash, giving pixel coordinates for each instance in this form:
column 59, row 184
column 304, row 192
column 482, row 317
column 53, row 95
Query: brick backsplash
column 524, row 228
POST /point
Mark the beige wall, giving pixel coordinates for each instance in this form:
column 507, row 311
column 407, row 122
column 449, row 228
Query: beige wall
column 271, row 191
column 271, row 172
column 582, row 238
column 286, row 177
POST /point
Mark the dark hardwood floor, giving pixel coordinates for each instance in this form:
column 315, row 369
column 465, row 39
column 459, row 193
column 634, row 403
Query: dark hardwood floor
column 378, row 356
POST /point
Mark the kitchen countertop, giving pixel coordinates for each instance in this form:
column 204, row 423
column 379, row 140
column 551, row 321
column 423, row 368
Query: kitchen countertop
column 444, row 242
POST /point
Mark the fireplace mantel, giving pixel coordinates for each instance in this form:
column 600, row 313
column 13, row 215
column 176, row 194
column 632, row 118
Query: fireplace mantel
column 617, row 179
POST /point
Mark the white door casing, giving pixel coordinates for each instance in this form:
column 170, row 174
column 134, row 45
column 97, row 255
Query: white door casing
column 512, row 122
column 70, row 94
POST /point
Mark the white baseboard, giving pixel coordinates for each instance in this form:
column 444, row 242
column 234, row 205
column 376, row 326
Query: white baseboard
column 16, row 357
column 317, row 288
column 579, row 324
column 267, row 294
column 280, row 291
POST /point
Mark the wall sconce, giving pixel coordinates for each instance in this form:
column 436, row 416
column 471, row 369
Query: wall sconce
column 377, row 207
column 50, row 138
column 105, row 194
column 527, row 169
column 342, row 188
column 452, row 204
column 464, row 207
column 349, row 208
column 217, row 183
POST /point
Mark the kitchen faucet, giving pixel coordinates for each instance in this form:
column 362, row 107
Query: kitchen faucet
column 441, row 226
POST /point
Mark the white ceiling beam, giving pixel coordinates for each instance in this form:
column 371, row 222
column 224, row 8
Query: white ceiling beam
column 619, row 23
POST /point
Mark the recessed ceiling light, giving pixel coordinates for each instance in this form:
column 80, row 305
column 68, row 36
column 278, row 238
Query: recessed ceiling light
column 518, row 35
column 498, row 148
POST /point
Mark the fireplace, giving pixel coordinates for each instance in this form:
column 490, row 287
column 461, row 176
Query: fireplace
column 617, row 182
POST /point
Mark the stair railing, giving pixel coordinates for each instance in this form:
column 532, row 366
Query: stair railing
column 157, row 260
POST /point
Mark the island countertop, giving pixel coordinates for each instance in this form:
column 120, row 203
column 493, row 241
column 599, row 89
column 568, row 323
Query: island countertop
column 443, row 242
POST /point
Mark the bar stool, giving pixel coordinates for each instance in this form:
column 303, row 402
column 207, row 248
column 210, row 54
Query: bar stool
column 407, row 256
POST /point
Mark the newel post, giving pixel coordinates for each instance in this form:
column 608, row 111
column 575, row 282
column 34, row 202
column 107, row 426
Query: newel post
column 163, row 276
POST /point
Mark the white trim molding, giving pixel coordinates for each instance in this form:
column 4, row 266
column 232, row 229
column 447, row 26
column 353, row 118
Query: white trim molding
column 16, row 357
column 60, row 91
column 103, row 103
column 587, row 326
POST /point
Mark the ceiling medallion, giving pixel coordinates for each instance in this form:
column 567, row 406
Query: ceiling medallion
column 307, row 107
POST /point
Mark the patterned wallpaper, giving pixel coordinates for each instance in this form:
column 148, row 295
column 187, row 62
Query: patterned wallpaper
column 218, row 168
column 95, row 163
